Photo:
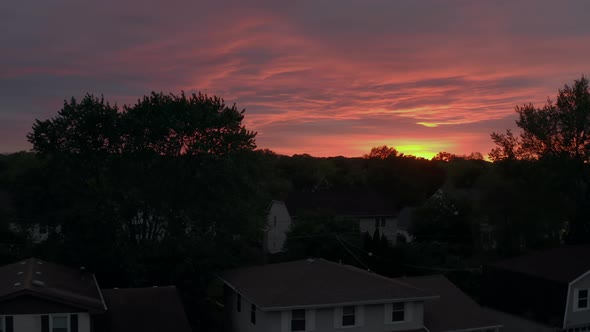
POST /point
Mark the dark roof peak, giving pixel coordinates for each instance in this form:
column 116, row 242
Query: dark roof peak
column 51, row 281
column 562, row 264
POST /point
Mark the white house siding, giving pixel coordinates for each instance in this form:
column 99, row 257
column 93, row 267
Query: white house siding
column 277, row 225
column 32, row 323
column 369, row 318
column 582, row 317
column 367, row 225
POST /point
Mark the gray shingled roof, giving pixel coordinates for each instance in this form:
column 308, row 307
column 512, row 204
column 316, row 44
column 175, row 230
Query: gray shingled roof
column 454, row 310
column 316, row 282
column 153, row 309
column 51, row 281
column 562, row 264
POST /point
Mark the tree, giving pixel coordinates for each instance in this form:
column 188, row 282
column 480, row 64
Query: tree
column 382, row 152
column 155, row 191
column 557, row 136
column 322, row 235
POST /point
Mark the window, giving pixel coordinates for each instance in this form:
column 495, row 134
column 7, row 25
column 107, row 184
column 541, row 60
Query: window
column 348, row 316
column 253, row 314
column 59, row 324
column 397, row 312
column 239, row 303
column 298, row 320
column 582, row 299
column 275, row 221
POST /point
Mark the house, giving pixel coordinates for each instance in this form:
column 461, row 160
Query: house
column 278, row 223
column 550, row 286
column 318, row 295
column 39, row 296
column 372, row 211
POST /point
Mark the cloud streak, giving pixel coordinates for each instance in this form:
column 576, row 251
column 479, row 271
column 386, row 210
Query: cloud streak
column 322, row 77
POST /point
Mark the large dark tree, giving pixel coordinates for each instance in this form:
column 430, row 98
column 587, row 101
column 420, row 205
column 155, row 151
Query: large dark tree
column 557, row 137
column 166, row 190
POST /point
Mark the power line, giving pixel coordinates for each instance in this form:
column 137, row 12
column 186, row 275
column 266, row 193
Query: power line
column 351, row 253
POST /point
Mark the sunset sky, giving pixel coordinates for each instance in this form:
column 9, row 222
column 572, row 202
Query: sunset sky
column 320, row 77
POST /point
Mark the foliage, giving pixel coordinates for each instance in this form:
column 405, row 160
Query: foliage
column 557, row 137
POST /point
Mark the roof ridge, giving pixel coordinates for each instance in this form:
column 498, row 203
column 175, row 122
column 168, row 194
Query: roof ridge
column 28, row 282
column 358, row 270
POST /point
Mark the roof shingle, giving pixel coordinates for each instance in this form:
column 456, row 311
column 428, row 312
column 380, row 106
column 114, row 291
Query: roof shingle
column 44, row 279
column 562, row 264
column 454, row 310
column 316, row 282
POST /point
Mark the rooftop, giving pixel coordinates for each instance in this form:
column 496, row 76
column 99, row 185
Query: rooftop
column 562, row 264
column 129, row 308
column 74, row 287
column 454, row 310
column 317, row 283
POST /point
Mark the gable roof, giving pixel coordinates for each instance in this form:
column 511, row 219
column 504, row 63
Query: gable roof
column 316, row 283
column 454, row 310
column 342, row 203
column 129, row 308
column 52, row 282
column 563, row 264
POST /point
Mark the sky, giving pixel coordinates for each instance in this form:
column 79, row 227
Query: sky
column 314, row 76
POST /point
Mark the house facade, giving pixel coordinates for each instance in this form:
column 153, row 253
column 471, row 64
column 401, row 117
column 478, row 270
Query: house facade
column 318, row 295
column 39, row 296
column 278, row 223
column 550, row 286
column 373, row 212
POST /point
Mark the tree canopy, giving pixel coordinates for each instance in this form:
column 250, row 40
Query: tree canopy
column 556, row 137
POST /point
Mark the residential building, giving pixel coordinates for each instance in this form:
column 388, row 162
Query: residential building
column 372, row 211
column 550, row 286
column 39, row 296
column 318, row 295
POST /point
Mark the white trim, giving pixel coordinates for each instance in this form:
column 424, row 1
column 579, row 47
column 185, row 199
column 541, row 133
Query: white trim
column 360, row 316
column 337, row 317
column 310, row 319
column 99, row 292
